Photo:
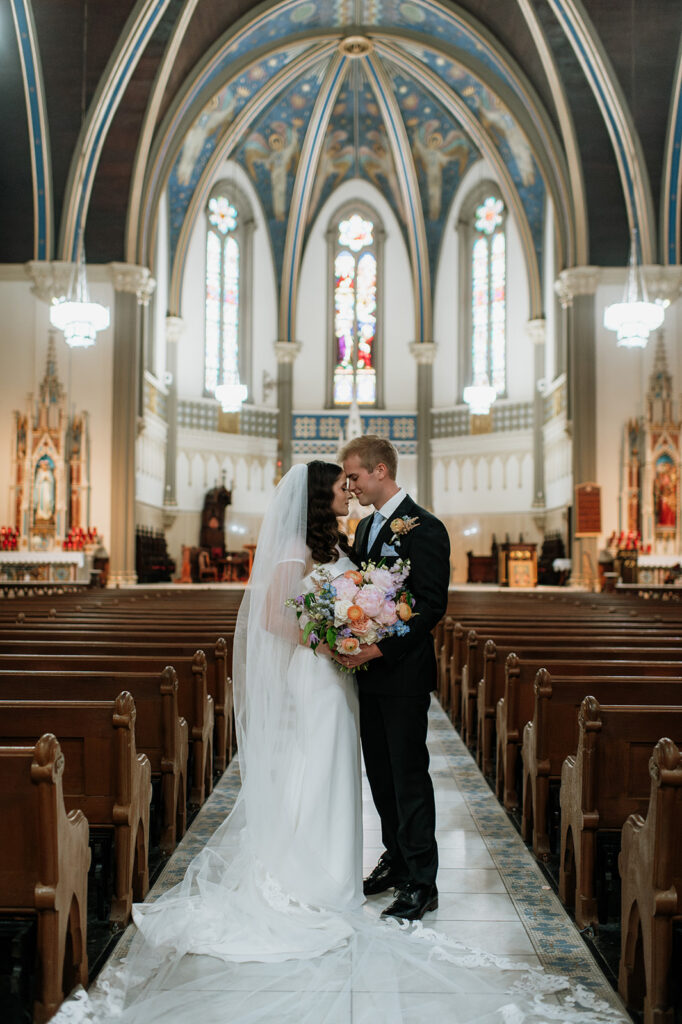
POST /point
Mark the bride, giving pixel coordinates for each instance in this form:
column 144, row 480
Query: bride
column 268, row 924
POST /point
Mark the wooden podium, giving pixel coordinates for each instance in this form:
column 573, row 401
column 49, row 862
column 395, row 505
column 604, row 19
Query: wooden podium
column 518, row 565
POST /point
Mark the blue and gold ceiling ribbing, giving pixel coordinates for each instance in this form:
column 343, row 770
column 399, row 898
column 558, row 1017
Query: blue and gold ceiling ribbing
column 671, row 196
column 411, row 114
column 37, row 128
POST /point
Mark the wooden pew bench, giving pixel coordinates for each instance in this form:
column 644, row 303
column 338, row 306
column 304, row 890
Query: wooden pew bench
column 104, row 777
column 552, row 734
column 194, row 702
column 604, row 782
column 218, row 680
column 495, row 653
column 160, row 732
column 650, row 865
column 44, row 861
column 517, row 706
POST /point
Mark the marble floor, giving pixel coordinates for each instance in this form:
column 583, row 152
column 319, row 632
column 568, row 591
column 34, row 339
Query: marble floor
column 493, row 895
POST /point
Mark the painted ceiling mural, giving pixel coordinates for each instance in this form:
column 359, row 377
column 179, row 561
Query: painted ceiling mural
column 356, row 142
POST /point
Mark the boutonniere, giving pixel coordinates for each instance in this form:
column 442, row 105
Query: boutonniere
column 402, row 525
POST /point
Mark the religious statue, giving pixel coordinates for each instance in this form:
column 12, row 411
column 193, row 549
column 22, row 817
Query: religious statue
column 665, row 493
column 43, row 490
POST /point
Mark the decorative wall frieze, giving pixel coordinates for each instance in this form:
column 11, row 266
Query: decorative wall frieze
column 423, row 352
column 505, row 416
column 319, row 432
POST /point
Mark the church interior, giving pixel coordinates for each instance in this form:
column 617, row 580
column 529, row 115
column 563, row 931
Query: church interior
column 236, row 235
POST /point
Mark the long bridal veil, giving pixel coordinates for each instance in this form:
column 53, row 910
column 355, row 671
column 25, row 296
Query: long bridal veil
column 235, row 941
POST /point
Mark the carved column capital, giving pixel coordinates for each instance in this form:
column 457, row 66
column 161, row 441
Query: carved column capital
column 537, row 330
column 287, row 351
column 175, row 326
column 424, row 352
column 664, row 284
column 129, row 277
column 576, row 281
column 49, row 279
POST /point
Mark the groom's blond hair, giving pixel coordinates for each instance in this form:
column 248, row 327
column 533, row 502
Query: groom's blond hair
column 371, row 450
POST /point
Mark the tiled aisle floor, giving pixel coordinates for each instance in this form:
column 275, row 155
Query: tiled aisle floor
column 492, row 893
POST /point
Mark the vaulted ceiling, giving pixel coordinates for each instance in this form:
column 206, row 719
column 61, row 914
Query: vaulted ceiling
column 106, row 106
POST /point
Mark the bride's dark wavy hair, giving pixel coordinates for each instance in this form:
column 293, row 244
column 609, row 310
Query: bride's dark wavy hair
column 323, row 534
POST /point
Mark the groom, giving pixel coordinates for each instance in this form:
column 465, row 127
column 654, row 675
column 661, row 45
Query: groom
column 401, row 672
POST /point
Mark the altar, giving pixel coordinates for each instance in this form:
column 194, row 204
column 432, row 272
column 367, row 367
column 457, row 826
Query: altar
column 45, row 566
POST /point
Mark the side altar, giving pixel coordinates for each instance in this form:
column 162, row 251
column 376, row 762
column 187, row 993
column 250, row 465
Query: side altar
column 49, row 488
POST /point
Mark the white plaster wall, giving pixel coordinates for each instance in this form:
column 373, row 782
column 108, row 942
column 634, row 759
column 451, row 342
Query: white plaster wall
column 622, row 384
column 310, row 369
column 84, row 373
column 446, row 387
column 263, row 300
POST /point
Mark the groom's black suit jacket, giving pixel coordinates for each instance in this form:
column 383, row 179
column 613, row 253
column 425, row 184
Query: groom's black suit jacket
column 408, row 663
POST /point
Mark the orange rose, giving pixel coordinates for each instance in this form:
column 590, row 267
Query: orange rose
column 354, row 575
column 404, row 611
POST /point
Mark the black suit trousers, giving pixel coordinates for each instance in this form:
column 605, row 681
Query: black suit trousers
column 393, row 731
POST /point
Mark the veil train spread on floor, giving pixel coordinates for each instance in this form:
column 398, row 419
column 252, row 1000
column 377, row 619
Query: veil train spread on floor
column 267, row 925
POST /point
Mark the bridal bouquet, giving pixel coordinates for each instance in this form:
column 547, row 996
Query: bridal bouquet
column 362, row 606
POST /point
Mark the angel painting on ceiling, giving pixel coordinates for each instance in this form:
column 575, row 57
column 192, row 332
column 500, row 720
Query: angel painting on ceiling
column 434, row 151
column 499, row 121
column 336, row 159
column 279, row 154
column 376, row 161
column 215, row 115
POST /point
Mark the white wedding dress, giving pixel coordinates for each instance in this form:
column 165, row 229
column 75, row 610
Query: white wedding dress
column 269, row 924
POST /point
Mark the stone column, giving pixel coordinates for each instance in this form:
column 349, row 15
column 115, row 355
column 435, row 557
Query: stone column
column 134, row 286
column 576, row 287
column 424, row 353
column 286, row 352
column 537, row 332
column 174, row 329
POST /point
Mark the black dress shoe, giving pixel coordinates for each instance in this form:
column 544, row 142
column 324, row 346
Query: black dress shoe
column 385, row 876
column 412, row 901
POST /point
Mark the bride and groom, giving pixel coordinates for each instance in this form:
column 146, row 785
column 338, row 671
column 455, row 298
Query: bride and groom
column 271, row 910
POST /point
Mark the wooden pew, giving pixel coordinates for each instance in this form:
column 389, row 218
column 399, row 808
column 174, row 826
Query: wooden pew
column 104, row 777
column 218, row 680
column 552, row 734
column 605, row 782
column 517, row 706
column 160, row 732
column 44, row 861
column 484, row 662
column 650, row 865
column 194, row 702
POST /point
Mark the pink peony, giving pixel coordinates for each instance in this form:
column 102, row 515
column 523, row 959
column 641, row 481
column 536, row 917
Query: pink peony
column 370, row 599
column 345, row 588
column 383, row 579
column 388, row 614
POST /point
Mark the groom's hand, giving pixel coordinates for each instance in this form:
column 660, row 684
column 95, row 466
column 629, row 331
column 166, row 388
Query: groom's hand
column 366, row 653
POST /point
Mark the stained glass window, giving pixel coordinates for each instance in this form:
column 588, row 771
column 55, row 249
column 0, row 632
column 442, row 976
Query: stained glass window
column 222, row 294
column 355, row 311
column 488, row 294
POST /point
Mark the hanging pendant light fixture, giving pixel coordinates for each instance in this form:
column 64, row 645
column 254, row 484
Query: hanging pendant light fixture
column 479, row 396
column 74, row 313
column 635, row 317
column 231, row 394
